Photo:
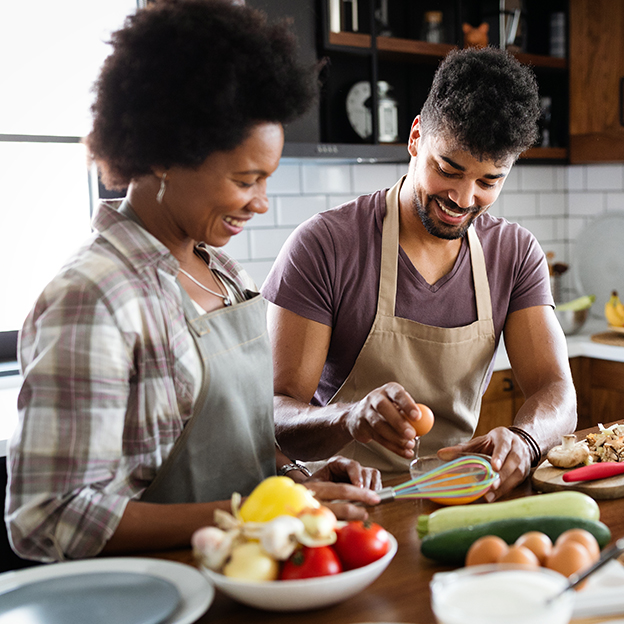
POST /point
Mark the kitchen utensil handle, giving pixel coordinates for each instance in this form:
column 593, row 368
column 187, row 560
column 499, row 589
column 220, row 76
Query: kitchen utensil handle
column 607, row 555
column 386, row 494
column 594, row 471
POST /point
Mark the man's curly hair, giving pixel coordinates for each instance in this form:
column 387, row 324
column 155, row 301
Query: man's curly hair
column 187, row 78
column 485, row 101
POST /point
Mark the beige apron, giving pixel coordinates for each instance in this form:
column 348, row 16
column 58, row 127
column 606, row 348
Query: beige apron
column 444, row 368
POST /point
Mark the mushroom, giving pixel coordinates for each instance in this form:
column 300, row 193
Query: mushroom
column 569, row 454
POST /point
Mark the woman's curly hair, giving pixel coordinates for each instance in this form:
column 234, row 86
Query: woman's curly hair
column 187, row 78
column 485, row 101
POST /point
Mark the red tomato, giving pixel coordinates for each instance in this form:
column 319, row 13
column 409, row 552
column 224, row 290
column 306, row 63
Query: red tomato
column 360, row 542
column 310, row 562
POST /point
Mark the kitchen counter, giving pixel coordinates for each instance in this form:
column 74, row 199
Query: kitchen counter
column 401, row 593
column 578, row 345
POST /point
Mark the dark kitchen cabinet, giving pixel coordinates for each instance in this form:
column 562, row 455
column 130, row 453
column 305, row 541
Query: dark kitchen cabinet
column 394, row 50
column 596, row 81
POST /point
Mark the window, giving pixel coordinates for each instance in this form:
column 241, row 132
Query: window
column 50, row 55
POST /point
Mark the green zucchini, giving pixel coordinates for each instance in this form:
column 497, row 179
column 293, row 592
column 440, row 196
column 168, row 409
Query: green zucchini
column 451, row 546
column 568, row 503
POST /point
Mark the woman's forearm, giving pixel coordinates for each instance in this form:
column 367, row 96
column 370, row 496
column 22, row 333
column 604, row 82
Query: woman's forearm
column 153, row 526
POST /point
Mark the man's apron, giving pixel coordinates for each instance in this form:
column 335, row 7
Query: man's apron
column 228, row 444
column 444, row 368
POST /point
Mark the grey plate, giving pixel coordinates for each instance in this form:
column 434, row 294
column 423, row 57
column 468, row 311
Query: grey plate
column 598, row 260
column 97, row 597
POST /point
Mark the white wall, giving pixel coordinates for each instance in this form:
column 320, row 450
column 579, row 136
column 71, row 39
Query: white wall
column 554, row 202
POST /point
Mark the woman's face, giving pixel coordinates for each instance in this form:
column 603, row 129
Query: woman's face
column 215, row 201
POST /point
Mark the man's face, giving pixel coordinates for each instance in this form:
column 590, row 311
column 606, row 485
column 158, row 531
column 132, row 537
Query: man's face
column 451, row 188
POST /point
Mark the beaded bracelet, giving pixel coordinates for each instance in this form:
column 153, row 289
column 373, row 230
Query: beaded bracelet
column 536, row 453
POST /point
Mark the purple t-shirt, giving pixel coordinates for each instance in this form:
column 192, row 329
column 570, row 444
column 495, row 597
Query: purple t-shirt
column 328, row 271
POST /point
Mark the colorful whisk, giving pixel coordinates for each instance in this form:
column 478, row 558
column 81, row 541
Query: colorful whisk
column 468, row 476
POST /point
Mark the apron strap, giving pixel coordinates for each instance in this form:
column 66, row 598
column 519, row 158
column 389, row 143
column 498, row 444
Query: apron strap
column 386, row 300
column 479, row 276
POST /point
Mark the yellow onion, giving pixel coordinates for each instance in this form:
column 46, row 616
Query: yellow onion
column 319, row 522
column 249, row 562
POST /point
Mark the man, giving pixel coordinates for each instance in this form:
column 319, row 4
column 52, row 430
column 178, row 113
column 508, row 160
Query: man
column 402, row 295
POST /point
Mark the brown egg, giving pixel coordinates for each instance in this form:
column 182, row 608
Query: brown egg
column 487, row 549
column 538, row 543
column 568, row 558
column 521, row 556
column 583, row 537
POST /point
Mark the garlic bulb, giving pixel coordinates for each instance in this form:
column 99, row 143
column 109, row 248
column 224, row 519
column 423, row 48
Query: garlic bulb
column 212, row 546
column 278, row 538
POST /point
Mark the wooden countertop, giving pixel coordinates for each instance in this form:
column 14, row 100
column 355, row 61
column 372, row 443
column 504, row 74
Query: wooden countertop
column 401, row 593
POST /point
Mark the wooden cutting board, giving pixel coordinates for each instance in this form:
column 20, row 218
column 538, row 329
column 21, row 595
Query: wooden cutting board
column 547, row 478
column 610, row 338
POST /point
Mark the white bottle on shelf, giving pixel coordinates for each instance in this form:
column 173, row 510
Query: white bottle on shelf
column 433, row 30
column 388, row 114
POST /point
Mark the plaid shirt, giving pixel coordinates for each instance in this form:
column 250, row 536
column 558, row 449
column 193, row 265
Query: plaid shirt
column 110, row 376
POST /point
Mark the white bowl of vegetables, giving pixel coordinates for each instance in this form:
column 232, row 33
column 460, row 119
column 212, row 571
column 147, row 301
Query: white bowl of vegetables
column 300, row 595
column 298, row 560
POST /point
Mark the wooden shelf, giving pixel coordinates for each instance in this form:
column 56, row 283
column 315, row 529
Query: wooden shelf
column 351, row 39
column 539, row 60
column 545, row 153
column 396, row 56
column 412, row 49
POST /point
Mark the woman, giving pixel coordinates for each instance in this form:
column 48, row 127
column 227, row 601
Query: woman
column 147, row 395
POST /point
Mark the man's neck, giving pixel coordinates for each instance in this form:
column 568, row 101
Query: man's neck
column 432, row 257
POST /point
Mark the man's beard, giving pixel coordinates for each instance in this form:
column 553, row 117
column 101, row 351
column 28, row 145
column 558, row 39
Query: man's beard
column 444, row 230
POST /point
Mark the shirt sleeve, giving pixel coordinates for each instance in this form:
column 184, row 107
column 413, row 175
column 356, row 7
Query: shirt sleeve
column 301, row 277
column 532, row 283
column 66, row 454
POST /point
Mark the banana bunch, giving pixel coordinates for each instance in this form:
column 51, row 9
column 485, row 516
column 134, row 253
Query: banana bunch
column 614, row 311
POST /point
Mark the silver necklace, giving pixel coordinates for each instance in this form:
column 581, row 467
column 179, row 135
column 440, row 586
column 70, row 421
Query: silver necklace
column 226, row 299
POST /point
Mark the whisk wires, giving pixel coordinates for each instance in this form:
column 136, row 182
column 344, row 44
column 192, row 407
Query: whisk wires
column 466, row 476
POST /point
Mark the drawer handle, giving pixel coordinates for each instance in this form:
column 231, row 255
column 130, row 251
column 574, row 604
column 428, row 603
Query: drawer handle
column 509, row 384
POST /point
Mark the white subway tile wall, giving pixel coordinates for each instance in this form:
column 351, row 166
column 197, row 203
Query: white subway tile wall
column 555, row 202
column 537, row 178
column 605, row 178
column 295, row 209
column 615, row 202
column 265, row 243
column 517, row 204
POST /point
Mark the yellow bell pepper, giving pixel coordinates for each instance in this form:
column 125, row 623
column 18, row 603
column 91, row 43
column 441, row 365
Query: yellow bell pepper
column 276, row 496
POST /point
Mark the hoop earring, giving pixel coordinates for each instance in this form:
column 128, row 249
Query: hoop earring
column 162, row 189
